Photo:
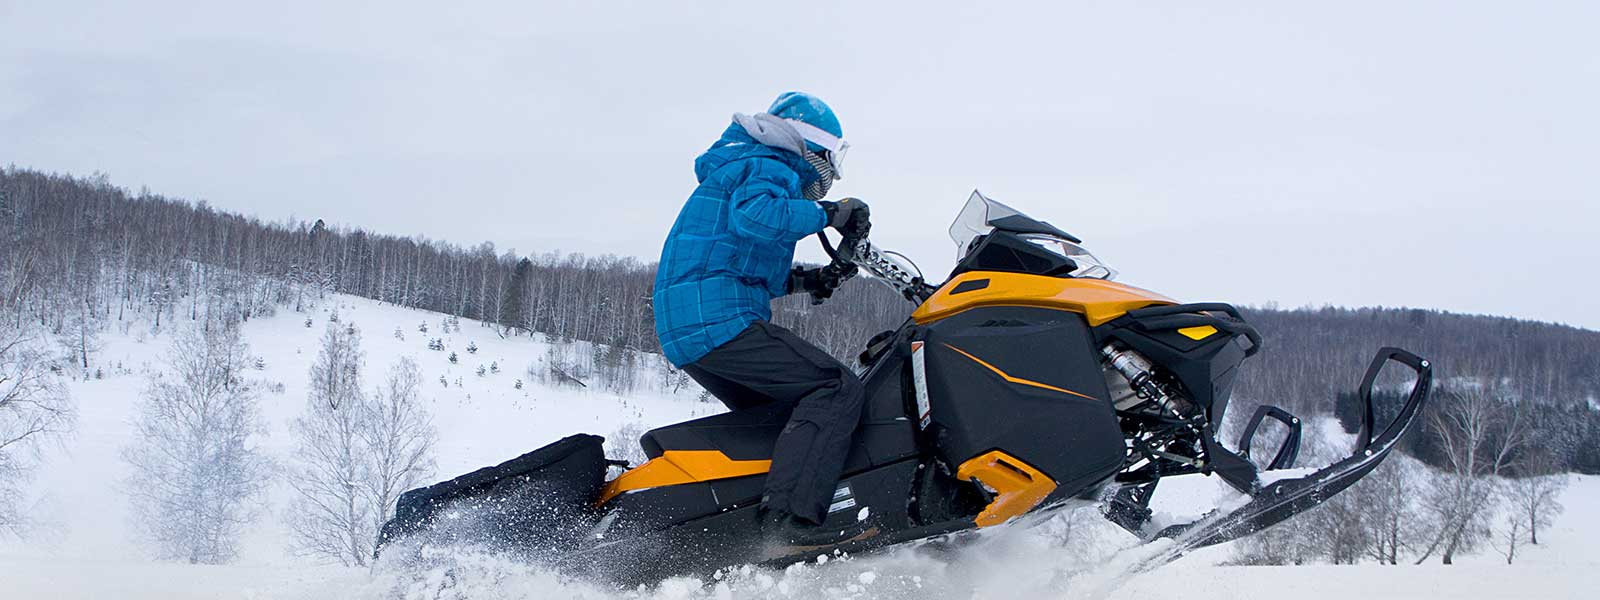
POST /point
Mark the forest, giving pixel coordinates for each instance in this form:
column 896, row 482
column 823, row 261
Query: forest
column 78, row 255
column 1516, row 400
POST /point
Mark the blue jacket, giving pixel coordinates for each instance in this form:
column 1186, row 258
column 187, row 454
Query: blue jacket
column 729, row 253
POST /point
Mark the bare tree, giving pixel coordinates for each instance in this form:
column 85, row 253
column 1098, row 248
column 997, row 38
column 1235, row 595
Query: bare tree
column 34, row 407
column 1338, row 529
column 669, row 378
column 1287, row 543
column 398, row 436
column 196, row 469
column 623, row 443
column 563, row 365
column 1479, row 434
column 80, row 334
column 1534, row 494
column 1388, row 497
column 332, row 516
column 1508, row 536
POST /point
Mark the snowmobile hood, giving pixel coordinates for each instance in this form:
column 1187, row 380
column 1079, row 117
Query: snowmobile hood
column 1097, row 300
column 736, row 144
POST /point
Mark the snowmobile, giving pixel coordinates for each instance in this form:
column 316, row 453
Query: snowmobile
column 1027, row 382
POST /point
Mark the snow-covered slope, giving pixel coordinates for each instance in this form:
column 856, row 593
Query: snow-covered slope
column 481, row 420
column 85, row 550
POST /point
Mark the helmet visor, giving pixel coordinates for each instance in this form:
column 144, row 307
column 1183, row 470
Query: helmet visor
column 833, row 147
column 836, row 159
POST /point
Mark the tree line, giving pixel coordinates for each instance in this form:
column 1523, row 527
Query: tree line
column 81, row 245
column 78, row 255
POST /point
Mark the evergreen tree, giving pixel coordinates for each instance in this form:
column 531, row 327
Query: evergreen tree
column 514, row 303
column 8, row 217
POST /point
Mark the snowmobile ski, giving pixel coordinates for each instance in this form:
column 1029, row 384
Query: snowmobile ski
column 1283, row 498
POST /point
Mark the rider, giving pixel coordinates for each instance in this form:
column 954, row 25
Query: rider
column 729, row 254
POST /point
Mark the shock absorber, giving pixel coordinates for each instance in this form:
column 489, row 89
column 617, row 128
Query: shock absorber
column 1141, row 376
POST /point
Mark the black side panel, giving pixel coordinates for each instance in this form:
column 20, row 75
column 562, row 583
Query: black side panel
column 1004, row 251
column 540, row 499
column 1206, row 367
column 1054, row 413
column 887, row 433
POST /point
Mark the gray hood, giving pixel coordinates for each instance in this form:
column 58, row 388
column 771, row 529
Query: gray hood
column 772, row 131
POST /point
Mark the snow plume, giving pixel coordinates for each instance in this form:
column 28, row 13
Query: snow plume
column 1058, row 556
column 196, row 468
column 463, row 574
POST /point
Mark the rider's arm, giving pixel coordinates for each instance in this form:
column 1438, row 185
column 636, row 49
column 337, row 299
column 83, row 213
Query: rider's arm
column 760, row 206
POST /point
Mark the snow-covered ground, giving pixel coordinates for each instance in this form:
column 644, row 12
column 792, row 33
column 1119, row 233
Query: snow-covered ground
column 84, row 549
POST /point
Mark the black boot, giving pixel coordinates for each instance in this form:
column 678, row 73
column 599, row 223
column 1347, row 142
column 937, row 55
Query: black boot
column 782, row 529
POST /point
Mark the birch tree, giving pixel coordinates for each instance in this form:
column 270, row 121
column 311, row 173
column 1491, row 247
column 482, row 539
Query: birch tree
column 399, row 436
column 1389, row 497
column 331, row 516
column 1534, row 496
column 34, row 407
column 197, row 471
column 1480, row 434
column 356, row 452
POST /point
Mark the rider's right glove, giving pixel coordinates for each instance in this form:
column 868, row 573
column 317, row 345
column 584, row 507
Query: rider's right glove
column 820, row 283
column 849, row 216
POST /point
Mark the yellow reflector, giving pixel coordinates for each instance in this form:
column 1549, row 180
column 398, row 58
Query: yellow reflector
column 1198, row 333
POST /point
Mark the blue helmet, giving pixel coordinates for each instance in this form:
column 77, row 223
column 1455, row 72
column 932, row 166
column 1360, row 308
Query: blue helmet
column 808, row 109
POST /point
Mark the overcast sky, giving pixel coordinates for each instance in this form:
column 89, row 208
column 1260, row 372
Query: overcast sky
column 1433, row 154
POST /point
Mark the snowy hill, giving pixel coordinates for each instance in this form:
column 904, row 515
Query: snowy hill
column 85, row 548
column 481, row 419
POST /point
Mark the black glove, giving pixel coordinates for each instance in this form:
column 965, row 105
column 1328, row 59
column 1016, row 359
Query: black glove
column 820, row 283
column 849, row 216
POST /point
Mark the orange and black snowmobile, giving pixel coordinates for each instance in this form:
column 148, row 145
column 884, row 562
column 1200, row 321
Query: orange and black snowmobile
column 1026, row 382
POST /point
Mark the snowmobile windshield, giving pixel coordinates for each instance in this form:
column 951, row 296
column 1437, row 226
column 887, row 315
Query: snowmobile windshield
column 982, row 216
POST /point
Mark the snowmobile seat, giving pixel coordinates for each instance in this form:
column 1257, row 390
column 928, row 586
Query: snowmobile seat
column 741, row 435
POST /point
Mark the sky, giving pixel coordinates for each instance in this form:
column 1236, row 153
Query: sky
column 1427, row 154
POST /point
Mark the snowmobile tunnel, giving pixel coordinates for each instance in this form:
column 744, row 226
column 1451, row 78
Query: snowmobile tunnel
column 543, row 491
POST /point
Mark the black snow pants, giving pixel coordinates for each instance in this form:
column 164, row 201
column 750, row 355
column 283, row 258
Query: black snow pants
column 767, row 363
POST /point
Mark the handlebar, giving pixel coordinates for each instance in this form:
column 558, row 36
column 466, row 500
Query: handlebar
column 858, row 253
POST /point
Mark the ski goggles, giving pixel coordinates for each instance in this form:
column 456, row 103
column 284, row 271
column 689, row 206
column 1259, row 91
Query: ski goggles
column 833, row 148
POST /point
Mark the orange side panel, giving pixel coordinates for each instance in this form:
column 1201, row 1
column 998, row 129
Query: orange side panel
column 1097, row 300
column 676, row 467
column 1019, row 486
